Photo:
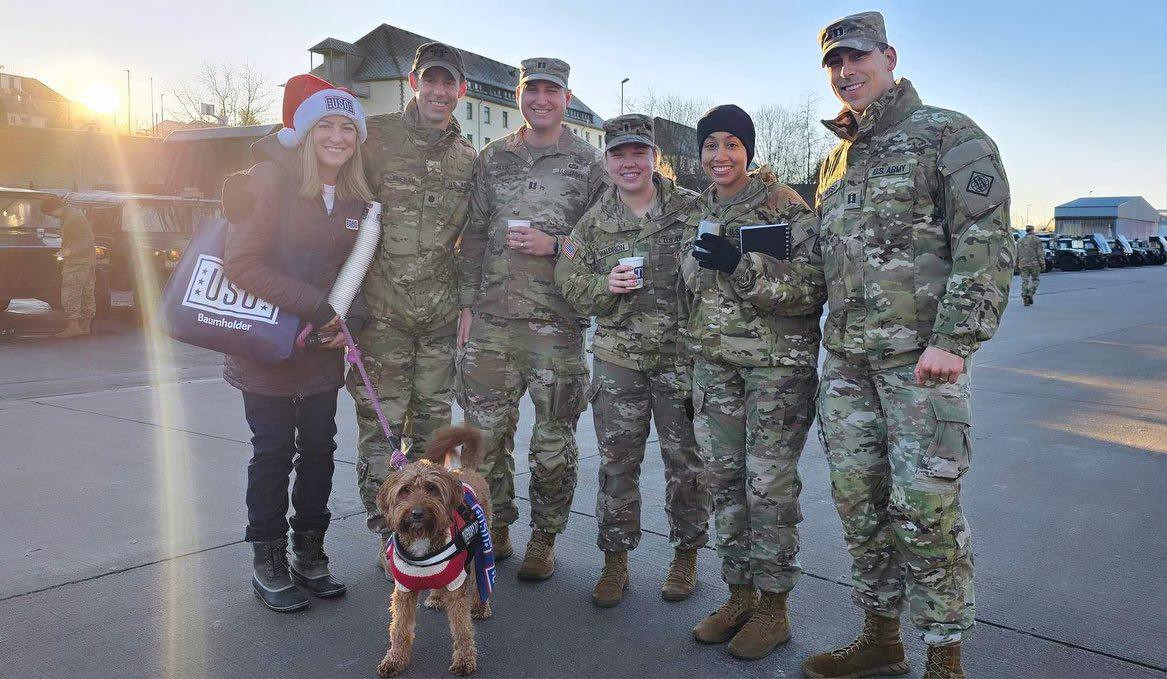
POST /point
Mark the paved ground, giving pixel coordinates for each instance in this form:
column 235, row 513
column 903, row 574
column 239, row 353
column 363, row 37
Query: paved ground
column 123, row 480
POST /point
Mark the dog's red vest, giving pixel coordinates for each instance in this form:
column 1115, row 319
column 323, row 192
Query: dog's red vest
column 444, row 570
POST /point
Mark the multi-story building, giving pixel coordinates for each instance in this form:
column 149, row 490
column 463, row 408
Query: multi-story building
column 376, row 68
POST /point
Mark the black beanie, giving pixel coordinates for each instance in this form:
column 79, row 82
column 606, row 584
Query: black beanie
column 727, row 118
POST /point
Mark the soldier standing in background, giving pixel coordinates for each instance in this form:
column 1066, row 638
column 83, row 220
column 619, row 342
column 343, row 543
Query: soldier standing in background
column 79, row 268
column 914, row 206
column 754, row 333
column 640, row 371
column 418, row 165
column 1031, row 259
column 529, row 190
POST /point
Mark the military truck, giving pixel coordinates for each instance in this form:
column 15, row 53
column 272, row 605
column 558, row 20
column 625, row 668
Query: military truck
column 30, row 253
column 1072, row 254
column 1158, row 244
column 1121, row 244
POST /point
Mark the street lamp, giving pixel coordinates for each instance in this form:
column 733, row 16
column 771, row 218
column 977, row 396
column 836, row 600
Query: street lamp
column 129, row 117
column 1027, row 213
column 622, row 95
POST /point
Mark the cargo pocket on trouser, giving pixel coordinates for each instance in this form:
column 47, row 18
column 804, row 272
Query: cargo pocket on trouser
column 949, row 454
column 569, row 396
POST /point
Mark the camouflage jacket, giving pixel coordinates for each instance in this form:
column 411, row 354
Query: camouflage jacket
column 635, row 330
column 766, row 313
column 421, row 176
column 914, row 207
column 1030, row 252
column 76, row 237
column 551, row 190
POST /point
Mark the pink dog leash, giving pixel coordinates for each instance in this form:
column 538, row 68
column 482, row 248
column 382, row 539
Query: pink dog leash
column 353, row 355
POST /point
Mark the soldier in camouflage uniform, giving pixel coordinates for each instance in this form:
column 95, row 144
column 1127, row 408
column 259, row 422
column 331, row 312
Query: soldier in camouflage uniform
column 79, row 268
column 1031, row 259
column 419, row 166
column 640, row 371
column 914, row 207
column 754, row 332
column 522, row 335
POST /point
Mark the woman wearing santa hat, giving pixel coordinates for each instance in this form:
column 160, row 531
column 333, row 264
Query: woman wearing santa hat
column 294, row 219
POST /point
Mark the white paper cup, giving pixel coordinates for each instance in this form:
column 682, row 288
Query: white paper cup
column 637, row 264
column 515, row 223
column 707, row 227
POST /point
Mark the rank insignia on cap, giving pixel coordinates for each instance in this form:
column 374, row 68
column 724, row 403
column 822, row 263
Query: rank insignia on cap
column 352, row 224
column 569, row 248
column 980, row 184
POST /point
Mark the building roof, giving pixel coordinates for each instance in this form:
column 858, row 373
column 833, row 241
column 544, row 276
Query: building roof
column 1125, row 207
column 387, row 53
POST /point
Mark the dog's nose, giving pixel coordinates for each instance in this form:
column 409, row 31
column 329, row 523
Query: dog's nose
column 417, row 513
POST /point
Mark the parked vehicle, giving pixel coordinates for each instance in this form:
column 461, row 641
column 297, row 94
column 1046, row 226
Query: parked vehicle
column 1158, row 244
column 1115, row 257
column 1122, row 244
column 30, row 259
column 1048, row 247
column 1142, row 253
column 1070, row 254
column 144, row 235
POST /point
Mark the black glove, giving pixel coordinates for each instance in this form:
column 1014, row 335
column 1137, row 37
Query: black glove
column 238, row 201
column 322, row 315
column 716, row 253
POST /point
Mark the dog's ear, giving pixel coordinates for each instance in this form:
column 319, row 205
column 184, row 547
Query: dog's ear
column 387, row 495
column 452, row 489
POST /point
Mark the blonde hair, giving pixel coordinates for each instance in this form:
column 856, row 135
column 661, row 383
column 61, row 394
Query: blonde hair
column 350, row 181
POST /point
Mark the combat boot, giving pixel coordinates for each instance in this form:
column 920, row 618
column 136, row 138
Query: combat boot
column 681, row 581
column 613, row 580
column 309, row 566
column 72, row 329
column 720, row 625
column 1026, row 300
column 943, row 663
column 270, row 578
column 766, row 629
column 85, row 325
column 877, row 651
column 539, row 562
column 501, row 539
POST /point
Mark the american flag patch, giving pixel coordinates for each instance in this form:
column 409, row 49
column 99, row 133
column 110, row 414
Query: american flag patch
column 352, row 224
column 569, row 248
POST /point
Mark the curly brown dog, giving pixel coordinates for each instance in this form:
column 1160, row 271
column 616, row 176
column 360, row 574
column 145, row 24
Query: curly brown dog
column 419, row 503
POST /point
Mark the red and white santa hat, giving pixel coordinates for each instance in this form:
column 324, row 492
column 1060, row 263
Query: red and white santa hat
column 307, row 99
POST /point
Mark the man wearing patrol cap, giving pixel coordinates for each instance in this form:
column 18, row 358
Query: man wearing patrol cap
column 640, row 371
column 419, row 166
column 914, row 206
column 529, row 190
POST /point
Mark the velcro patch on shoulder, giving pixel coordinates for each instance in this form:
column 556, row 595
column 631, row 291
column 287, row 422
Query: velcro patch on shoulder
column 974, row 176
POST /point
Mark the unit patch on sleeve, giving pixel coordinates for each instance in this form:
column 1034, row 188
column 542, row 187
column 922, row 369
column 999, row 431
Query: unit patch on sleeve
column 980, row 184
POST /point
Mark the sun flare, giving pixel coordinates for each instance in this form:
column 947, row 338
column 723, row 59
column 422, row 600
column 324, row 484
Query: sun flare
column 100, row 98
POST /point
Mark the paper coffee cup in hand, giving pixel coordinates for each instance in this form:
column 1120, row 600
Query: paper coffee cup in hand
column 516, row 223
column 704, row 227
column 637, row 264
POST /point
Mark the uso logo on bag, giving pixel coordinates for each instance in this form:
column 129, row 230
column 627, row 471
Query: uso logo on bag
column 209, row 290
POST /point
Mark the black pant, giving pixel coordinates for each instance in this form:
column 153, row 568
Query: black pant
column 289, row 432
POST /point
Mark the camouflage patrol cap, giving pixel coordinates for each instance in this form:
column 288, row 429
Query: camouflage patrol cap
column 864, row 32
column 633, row 128
column 441, row 55
column 544, row 68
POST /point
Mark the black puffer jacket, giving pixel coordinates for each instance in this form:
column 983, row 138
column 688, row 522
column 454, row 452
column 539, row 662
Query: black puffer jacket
column 288, row 251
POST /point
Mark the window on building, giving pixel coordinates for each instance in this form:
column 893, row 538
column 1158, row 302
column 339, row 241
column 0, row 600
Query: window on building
column 469, row 110
column 486, row 140
column 470, row 138
column 505, row 122
column 588, row 136
column 486, row 114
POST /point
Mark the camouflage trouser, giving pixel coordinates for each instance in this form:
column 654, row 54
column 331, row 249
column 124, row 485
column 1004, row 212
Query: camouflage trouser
column 751, row 424
column 897, row 452
column 503, row 359
column 414, row 378
column 1029, row 279
column 623, row 400
column 77, row 280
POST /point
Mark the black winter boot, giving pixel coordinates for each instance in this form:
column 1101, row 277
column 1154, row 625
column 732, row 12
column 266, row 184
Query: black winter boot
column 270, row 579
column 309, row 565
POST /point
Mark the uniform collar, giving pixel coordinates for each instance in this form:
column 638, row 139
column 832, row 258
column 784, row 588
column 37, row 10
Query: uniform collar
column 423, row 135
column 889, row 109
column 515, row 141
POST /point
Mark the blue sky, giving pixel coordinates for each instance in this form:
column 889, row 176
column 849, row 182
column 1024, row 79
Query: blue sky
column 1074, row 93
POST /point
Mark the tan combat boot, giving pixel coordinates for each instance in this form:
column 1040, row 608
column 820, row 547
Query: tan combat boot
column 682, row 578
column 613, row 580
column 72, row 329
column 720, row 625
column 539, row 562
column 500, row 538
column 943, row 663
column 877, row 651
column 85, row 325
column 765, row 629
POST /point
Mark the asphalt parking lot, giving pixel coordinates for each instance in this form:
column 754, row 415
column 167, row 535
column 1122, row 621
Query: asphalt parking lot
column 122, row 496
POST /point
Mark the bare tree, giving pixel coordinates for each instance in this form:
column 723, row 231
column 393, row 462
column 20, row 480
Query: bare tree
column 675, row 107
column 791, row 140
column 240, row 93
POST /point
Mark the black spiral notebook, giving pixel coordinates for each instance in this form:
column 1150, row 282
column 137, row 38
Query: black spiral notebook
column 768, row 239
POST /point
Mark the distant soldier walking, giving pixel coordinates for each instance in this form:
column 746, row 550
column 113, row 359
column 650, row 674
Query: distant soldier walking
column 918, row 256
column 79, row 269
column 1031, row 259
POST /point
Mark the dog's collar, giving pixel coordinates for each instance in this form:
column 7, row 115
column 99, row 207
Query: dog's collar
column 462, row 539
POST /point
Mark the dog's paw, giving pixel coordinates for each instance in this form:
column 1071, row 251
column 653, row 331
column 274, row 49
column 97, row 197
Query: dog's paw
column 390, row 666
column 435, row 602
column 481, row 611
column 464, row 666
